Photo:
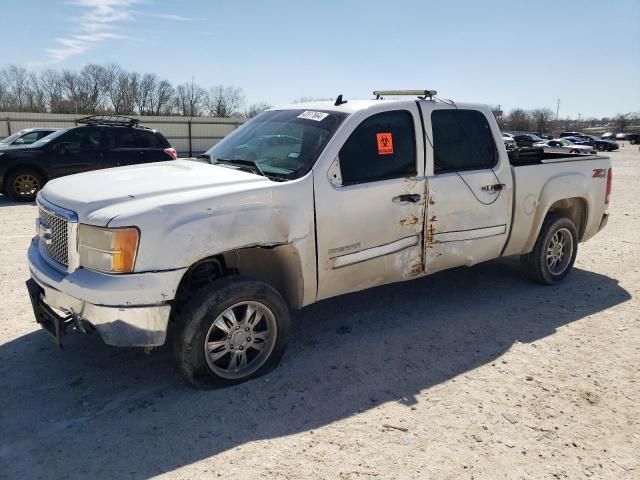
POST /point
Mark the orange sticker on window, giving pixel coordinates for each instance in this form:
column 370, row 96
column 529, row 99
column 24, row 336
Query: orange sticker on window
column 385, row 143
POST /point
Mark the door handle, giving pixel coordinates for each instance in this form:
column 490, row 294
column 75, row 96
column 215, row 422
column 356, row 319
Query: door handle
column 494, row 188
column 407, row 198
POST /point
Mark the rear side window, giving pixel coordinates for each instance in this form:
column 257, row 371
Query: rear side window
column 149, row 139
column 381, row 147
column 462, row 140
column 122, row 138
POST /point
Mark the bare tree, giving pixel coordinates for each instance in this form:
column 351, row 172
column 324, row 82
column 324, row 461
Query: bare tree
column 622, row 121
column 519, row 120
column 35, row 95
column 542, row 117
column 225, row 101
column 53, row 87
column 255, row 109
column 190, row 99
column 161, row 98
column 16, row 80
column 93, row 82
column 123, row 91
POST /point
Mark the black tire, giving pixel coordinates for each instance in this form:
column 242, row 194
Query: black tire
column 536, row 263
column 633, row 141
column 600, row 148
column 196, row 324
column 23, row 185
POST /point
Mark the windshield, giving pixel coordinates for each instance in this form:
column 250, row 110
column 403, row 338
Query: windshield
column 11, row 138
column 536, row 138
column 281, row 143
column 48, row 138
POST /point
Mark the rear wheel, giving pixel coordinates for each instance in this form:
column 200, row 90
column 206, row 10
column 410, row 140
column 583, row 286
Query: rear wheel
column 24, row 185
column 554, row 253
column 234, row 330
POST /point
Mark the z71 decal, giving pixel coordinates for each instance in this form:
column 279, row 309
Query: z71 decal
column 599, row 173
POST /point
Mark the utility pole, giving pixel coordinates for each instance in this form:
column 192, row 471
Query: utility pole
column 557, row 109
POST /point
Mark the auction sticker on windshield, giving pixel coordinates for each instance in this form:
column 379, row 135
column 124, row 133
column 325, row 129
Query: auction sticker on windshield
column 312, row 115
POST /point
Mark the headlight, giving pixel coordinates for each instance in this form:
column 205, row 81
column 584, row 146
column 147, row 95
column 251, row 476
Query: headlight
column 109, row 250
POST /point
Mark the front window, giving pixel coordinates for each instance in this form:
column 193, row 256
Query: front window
column 281, row 144
column 49, row 138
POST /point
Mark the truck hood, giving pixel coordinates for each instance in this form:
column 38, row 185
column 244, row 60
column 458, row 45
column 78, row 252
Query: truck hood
column 101, row 195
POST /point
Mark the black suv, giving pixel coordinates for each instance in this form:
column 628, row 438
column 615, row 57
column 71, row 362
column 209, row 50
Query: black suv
column 100, row 142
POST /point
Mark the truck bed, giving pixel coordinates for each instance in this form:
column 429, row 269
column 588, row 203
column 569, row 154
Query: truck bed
column 537, row 156
column 552, row 177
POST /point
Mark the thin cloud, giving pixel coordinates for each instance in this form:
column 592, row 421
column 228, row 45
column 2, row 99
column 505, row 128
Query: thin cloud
column 170, row 16
column 99, row 21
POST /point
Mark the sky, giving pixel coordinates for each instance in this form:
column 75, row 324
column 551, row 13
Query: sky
column 510, row 53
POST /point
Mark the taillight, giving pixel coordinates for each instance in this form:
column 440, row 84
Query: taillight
column 609, row 182
column 172, row 153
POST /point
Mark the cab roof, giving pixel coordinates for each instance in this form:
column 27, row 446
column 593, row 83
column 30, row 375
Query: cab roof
column 352, row 106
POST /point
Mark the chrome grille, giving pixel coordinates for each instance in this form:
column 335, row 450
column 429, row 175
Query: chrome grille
column 56, row 247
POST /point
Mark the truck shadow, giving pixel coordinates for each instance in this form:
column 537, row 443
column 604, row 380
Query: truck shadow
column 95, row 411
column 7, row 202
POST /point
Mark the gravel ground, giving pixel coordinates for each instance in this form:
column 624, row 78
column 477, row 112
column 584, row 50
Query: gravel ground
column 470, row 373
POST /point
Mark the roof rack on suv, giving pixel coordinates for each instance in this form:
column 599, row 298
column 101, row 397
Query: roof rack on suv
column 117, row 120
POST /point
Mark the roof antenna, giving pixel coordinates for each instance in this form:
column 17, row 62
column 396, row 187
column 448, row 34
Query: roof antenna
column 339, row 101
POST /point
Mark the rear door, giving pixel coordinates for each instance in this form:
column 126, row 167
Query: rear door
column 470, row 189
column 370, row 203
column 121, row 147
column 152, row 146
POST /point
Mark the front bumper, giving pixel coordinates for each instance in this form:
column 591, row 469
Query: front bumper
column 127, row 310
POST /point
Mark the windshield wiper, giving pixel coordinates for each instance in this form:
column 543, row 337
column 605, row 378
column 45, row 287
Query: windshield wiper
column 249, row 165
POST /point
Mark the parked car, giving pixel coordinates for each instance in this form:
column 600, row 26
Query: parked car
column 377, row 191
column 527, row 139
column 571, row 134
column 101, row 142
column 609, row 136
column 509, row 142
column 566, row 145
column 579, row 141
column 632, row 138
column 26, row 137
column 599, row 144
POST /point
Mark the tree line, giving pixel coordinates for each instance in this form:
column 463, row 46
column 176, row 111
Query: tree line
column 109, row 88
column 544, row 120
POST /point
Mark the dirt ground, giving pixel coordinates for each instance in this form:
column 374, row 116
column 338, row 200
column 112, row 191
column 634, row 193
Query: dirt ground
column 474, row 373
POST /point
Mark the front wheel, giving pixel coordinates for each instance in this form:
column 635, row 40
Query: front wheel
column 554, row 253
column 24, row 185
column 231, row 331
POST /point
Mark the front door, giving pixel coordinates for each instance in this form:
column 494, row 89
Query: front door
column 470, row 190
column 370, row 204
column 78, row 150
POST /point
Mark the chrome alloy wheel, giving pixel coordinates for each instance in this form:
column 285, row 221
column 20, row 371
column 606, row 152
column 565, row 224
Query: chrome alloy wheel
column 240, row 340
column 559, row 251
column 26, row 185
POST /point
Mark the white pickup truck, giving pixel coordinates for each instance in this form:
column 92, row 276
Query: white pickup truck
column 300, row 204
